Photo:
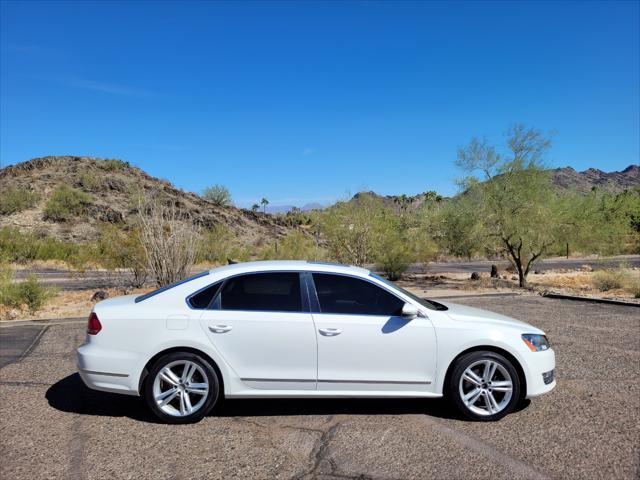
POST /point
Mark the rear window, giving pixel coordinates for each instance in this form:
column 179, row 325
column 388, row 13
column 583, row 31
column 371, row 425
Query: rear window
column 142, row 298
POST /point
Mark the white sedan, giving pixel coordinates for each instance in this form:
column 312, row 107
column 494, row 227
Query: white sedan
column 307, row 329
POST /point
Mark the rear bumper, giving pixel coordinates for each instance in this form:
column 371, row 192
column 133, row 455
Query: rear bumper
column 540, row 364
column 106, row 370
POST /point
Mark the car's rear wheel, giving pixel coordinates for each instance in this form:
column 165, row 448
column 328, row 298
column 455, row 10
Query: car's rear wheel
column 181, row 387
column 484, row 386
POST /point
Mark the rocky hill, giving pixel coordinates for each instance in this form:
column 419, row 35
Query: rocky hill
column 615, row 182
column 564, row 179
column 112, row 186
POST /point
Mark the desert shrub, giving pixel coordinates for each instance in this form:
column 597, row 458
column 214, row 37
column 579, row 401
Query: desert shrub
column 610, row 279
column 218, row 195
column 65, row 203
column 123, row 249
column 33, row 294
column 19, row 247
column 170, row 240
column 394, row 256
column 219, row 245
column 112, row 165
column 29, row 292
column 294, row 246
column 633, row 287
column 16, row 199
column 90, row 181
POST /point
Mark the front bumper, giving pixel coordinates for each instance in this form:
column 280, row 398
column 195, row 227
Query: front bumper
column 539, row 378
column 105, row 370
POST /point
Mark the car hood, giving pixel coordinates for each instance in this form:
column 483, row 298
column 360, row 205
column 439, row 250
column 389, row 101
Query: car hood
column 471, row 314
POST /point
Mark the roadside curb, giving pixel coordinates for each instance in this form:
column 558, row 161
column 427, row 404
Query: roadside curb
column 44, row 321
column 475, row 295
column 589, row 299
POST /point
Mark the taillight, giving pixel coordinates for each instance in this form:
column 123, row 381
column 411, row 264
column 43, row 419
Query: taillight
column 93, row 325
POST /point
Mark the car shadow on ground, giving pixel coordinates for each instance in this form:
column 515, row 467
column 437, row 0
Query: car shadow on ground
column 71, row 395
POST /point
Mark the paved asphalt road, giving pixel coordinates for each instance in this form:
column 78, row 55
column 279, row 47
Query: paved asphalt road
column 548, row 264
column 51, row 426
column 17, row 341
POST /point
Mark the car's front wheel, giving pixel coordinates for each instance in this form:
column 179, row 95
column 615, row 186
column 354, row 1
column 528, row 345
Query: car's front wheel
column 181, row 387
column 484, row 386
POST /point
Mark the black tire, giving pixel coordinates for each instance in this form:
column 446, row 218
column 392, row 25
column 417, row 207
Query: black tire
column 212, row 395
column 453, row 387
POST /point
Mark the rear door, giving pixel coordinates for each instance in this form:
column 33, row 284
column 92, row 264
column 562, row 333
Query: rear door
column 364, row 343
column 261, row 325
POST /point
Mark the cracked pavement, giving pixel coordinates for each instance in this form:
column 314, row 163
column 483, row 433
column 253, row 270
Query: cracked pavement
column 51, row 426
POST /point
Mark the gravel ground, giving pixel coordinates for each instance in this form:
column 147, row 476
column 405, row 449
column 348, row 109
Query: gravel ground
column 589, row 427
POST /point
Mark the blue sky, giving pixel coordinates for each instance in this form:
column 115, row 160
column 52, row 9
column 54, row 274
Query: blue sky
column 309, row 101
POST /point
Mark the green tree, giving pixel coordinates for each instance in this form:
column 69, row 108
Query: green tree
column 455, row 227
column 353, row 229
column 264, row 203
column 518, row 213
column 218, row 195
column 255, row 207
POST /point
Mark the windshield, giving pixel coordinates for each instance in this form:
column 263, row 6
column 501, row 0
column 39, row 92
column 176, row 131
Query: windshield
column 430, row 304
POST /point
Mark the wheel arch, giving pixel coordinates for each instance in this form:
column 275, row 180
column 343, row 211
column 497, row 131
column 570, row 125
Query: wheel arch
column 207, row 357
column 489, row 348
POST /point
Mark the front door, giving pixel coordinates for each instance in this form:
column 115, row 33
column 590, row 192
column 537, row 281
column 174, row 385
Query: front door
column 364, row 343
column 258, row 325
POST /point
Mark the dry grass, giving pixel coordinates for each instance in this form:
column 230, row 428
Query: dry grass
column 64, row 305
column 567, row 282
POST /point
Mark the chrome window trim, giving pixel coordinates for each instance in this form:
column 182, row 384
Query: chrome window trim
column 312, row 292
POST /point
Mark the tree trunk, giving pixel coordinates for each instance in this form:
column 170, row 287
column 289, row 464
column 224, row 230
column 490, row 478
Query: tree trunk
column 516, row 256
column 522, row 278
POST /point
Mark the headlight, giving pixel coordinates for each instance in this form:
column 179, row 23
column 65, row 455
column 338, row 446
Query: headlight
column 536, row 343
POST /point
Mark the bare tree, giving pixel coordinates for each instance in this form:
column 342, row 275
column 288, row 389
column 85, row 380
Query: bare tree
column 170, row 240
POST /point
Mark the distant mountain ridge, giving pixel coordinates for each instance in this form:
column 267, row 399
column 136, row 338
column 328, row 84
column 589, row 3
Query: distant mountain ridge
column 615, row 182
column 275, row 209
column 564, row 179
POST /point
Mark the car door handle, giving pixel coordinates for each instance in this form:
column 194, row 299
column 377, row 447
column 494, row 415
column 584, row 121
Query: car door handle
column 330, row 332
column 220, row 328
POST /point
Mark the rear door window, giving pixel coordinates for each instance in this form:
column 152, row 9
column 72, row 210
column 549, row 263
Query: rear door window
column 272, row 291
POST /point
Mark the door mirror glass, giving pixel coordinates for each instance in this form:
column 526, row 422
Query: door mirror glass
column 409, row 311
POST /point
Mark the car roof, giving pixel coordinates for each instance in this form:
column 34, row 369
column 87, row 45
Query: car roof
column 296, row 265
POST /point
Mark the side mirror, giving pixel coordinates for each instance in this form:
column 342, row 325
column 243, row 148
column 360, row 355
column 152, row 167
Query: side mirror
column 409, row 311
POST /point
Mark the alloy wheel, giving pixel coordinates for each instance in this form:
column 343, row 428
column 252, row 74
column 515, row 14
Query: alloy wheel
column 180, row 388
column 486, row 387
